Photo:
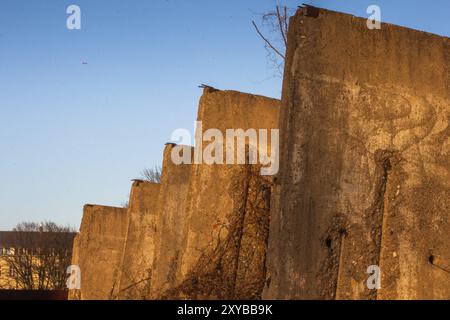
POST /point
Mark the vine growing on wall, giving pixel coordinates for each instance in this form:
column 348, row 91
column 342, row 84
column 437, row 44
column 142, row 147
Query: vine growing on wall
column 233, row 266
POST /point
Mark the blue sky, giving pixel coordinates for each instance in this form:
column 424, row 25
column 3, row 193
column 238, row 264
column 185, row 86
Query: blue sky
column 72, row 134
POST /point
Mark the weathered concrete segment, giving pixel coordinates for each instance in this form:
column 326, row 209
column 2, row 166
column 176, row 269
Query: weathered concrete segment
column 171, row 221
column 230, row 109
column 223, row 254
column 138, row 253
column 365, row 167
column 75, row 294
column 100, row 244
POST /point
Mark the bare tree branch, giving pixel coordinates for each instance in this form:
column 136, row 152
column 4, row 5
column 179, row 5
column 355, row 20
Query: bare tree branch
column 280, row 24
column 267, row 41
column 273, row 30
column 152, row 175
column 40, row 255
column 286, row 22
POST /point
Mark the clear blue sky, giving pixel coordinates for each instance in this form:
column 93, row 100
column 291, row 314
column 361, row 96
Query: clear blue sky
column 72, row 134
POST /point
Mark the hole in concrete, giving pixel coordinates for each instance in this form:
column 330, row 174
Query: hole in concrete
column 328, row 242
column 431, row 259
column 387, row 164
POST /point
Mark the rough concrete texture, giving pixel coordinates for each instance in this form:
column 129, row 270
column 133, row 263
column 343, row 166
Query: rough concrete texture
column 138, row 253
column 364, row 177
column 223, row 254
column 227, row 109
column 75, row 294
column 171, row 221
column 101, row 242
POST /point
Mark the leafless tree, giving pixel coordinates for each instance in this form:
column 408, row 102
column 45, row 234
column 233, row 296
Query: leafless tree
column 40, row 254
column 273, row 30
column 152, row 175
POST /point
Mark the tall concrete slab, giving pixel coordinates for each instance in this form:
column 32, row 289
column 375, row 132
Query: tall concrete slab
column 100, row 245
column 223, row 253
column 139, row 249
column 171, row 221
column 364, row 176
column 74, row 293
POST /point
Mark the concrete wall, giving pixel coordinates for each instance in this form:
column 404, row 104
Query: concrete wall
column 75, row 294
column 138, row 253
column 364, row 177
column 101, row 242
column 218, row 208
column 171, row 222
